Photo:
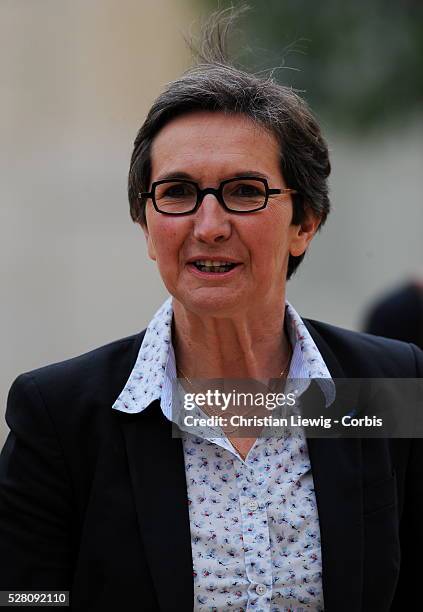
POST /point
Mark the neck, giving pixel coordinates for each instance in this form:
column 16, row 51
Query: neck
column 239, row 346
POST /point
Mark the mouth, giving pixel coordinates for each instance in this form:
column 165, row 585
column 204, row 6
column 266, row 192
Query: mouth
column 216, row 267
column 213, row 267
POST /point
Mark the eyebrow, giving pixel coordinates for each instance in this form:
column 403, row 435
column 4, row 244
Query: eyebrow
column 190, row 177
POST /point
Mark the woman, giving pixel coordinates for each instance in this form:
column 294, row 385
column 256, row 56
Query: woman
column 228, row 182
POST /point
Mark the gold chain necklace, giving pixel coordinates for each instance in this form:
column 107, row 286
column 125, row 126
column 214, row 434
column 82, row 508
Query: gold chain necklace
column 229, row 413
column 180, row 371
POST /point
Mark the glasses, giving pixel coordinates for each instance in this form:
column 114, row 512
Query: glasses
column 243, row 194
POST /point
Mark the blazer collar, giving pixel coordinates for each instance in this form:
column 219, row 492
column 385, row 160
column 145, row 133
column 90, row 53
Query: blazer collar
column 331, row 361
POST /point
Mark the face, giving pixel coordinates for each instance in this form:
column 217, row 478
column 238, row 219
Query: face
column 210, row 147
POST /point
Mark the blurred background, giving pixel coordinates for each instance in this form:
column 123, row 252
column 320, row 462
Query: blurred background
column 78, row 77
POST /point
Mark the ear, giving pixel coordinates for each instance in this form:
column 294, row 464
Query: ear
column 304, row 233
column 150, row 246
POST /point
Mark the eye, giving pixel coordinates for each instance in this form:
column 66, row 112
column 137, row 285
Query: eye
column 247, row 190
column 177, row 190
column 244, row 194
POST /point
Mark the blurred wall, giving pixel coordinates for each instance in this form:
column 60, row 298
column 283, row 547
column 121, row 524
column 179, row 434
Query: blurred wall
column 78, row 77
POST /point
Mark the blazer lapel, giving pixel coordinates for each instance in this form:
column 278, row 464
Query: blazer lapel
column 336, row 467
column 157, row 471
column 337, row 473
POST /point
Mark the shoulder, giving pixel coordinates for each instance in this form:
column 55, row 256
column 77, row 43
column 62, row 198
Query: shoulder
column 93, row 379
column 361, row 354
column 94, row 363
column 60, row 418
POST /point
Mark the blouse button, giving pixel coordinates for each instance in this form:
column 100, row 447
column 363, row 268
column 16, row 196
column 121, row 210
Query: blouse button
column 261, row 589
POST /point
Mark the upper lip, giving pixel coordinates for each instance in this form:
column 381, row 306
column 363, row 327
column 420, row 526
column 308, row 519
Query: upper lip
column 213, row 258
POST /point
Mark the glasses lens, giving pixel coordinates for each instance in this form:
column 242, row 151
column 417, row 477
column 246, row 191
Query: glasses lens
column 175, row 197
column 244, row 194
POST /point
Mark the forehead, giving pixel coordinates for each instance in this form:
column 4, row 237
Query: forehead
column 213, row 143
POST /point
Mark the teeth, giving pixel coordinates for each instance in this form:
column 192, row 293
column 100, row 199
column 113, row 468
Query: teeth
column 206, row 265
column 212, row 264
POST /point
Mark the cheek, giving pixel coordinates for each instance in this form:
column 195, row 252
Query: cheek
column 166, row 241
column 271, row 240
column 162, row 233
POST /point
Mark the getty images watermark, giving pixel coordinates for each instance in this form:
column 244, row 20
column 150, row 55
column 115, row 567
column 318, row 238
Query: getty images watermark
column 321, row 407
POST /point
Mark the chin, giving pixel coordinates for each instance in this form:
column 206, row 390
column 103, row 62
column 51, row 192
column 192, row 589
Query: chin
column 209, row 303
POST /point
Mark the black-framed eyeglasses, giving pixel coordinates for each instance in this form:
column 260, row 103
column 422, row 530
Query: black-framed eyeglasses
column 243, row 194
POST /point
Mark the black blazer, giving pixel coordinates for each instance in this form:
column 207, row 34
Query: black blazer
column 85, row 507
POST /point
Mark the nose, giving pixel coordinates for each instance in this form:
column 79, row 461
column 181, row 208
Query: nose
column 211, row 221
